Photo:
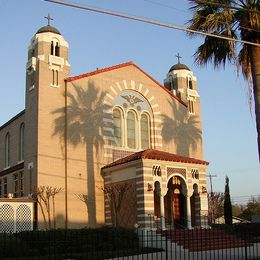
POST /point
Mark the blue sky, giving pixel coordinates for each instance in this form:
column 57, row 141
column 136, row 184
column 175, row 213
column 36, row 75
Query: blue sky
column 98, row 40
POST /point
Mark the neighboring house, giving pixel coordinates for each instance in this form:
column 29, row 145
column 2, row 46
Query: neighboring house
column 235, row 220
column 110, row 126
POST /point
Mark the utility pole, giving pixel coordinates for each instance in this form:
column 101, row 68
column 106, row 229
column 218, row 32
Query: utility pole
column 211, row 196
column 210, row 181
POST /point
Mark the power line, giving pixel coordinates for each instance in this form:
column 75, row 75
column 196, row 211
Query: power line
column 173, row 8
column 227, row 6
column 149, row 21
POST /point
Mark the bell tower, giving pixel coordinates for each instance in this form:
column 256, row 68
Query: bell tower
column 181, row 81
column 46, row 70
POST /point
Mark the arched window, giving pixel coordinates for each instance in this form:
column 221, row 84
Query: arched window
column 145, row 131
column 7, row 150
column 131, row 130
column 55, row 48
column 21, row 142
column 117, row 118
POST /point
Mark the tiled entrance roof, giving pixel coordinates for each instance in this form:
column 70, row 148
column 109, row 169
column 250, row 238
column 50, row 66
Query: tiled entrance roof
column 155, row 155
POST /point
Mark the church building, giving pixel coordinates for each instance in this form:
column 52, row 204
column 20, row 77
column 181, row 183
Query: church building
column 121, row 147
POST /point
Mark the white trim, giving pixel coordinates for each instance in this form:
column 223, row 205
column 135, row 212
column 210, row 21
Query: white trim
column 155, row 105
column 108, row 155
column 146, row 92
column 157, row 120
column 151, row 98
column 111, row 87
column 147, row 208
column 125, row 84
column 107, row 120
column 118, row 85
column 109, row 96
column 140, row 87
column 133, row 84
column 157, row 113
column 157, row 136
column 108, row 146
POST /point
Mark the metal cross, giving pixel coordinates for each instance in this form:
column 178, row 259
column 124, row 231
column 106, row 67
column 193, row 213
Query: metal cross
column 49, row 19
column 178, row 57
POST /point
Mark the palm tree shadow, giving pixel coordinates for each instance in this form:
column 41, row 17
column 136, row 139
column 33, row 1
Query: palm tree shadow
column 181, row 128
column 85, row 113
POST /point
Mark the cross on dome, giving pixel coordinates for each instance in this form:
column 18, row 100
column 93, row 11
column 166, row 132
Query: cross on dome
column 49, row 19
column 178, row 57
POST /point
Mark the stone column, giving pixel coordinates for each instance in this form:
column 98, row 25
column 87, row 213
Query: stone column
column 188, row 211
column 162, row 209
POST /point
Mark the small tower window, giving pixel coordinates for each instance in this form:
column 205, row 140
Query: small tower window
column 52, row 48
column 190, row 84
column 55, row 48
column 55, row 77
column 191, row 106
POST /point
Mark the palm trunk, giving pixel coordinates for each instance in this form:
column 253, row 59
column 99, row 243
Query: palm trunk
column 255, row 67
column 91, row 184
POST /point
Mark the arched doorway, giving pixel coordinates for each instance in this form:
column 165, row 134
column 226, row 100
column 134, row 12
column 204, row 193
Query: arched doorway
column 175, row 202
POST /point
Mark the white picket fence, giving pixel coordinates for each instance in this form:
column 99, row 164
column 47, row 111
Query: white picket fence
column 16, row 215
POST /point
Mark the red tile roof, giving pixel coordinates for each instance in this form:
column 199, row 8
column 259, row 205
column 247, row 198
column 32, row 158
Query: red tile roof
column 155, row 155
column 122, row 65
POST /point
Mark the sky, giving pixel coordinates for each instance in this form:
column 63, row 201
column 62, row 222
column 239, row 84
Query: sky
column 98, row 40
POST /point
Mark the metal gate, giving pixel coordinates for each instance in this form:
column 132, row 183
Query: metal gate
column 16, row 215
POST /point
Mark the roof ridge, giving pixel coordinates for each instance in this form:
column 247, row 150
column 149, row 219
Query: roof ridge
column 156, row 155
column 97, row 71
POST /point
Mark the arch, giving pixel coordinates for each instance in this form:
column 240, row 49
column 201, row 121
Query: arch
column 7, row 150
column 131, row 126
column 118, row 126
column 21, row 142
column 145, row 130
column 175, row 201
column 23, row 218
column 55, row 47
column 6, row 219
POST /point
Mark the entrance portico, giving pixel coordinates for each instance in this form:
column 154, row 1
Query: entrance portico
column 168, row 188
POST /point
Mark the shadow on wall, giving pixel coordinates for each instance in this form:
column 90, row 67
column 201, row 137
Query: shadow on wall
column 85, row 113
column 181, row 128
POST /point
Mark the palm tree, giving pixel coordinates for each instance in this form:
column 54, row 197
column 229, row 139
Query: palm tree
column 238, row 19
column 182, row 129
column 85, row 113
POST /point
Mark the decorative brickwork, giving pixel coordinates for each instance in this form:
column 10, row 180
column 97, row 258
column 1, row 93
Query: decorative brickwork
column 119, row 154
column 171, row 171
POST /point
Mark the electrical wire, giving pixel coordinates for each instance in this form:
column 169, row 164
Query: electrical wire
column 140, row 19
column 173, row 8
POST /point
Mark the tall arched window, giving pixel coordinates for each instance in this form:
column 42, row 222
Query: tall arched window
column 21, row 142
column 7, row 150
column 117, row 117
column 131, row 130
column 145, row 131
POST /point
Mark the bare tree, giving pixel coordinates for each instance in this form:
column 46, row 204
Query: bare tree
column 115, row 194
column 42, row 196
column 216, row 205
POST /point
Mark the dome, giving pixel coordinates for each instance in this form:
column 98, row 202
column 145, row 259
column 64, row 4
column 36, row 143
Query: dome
column 179, row 66
column 48, row 28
